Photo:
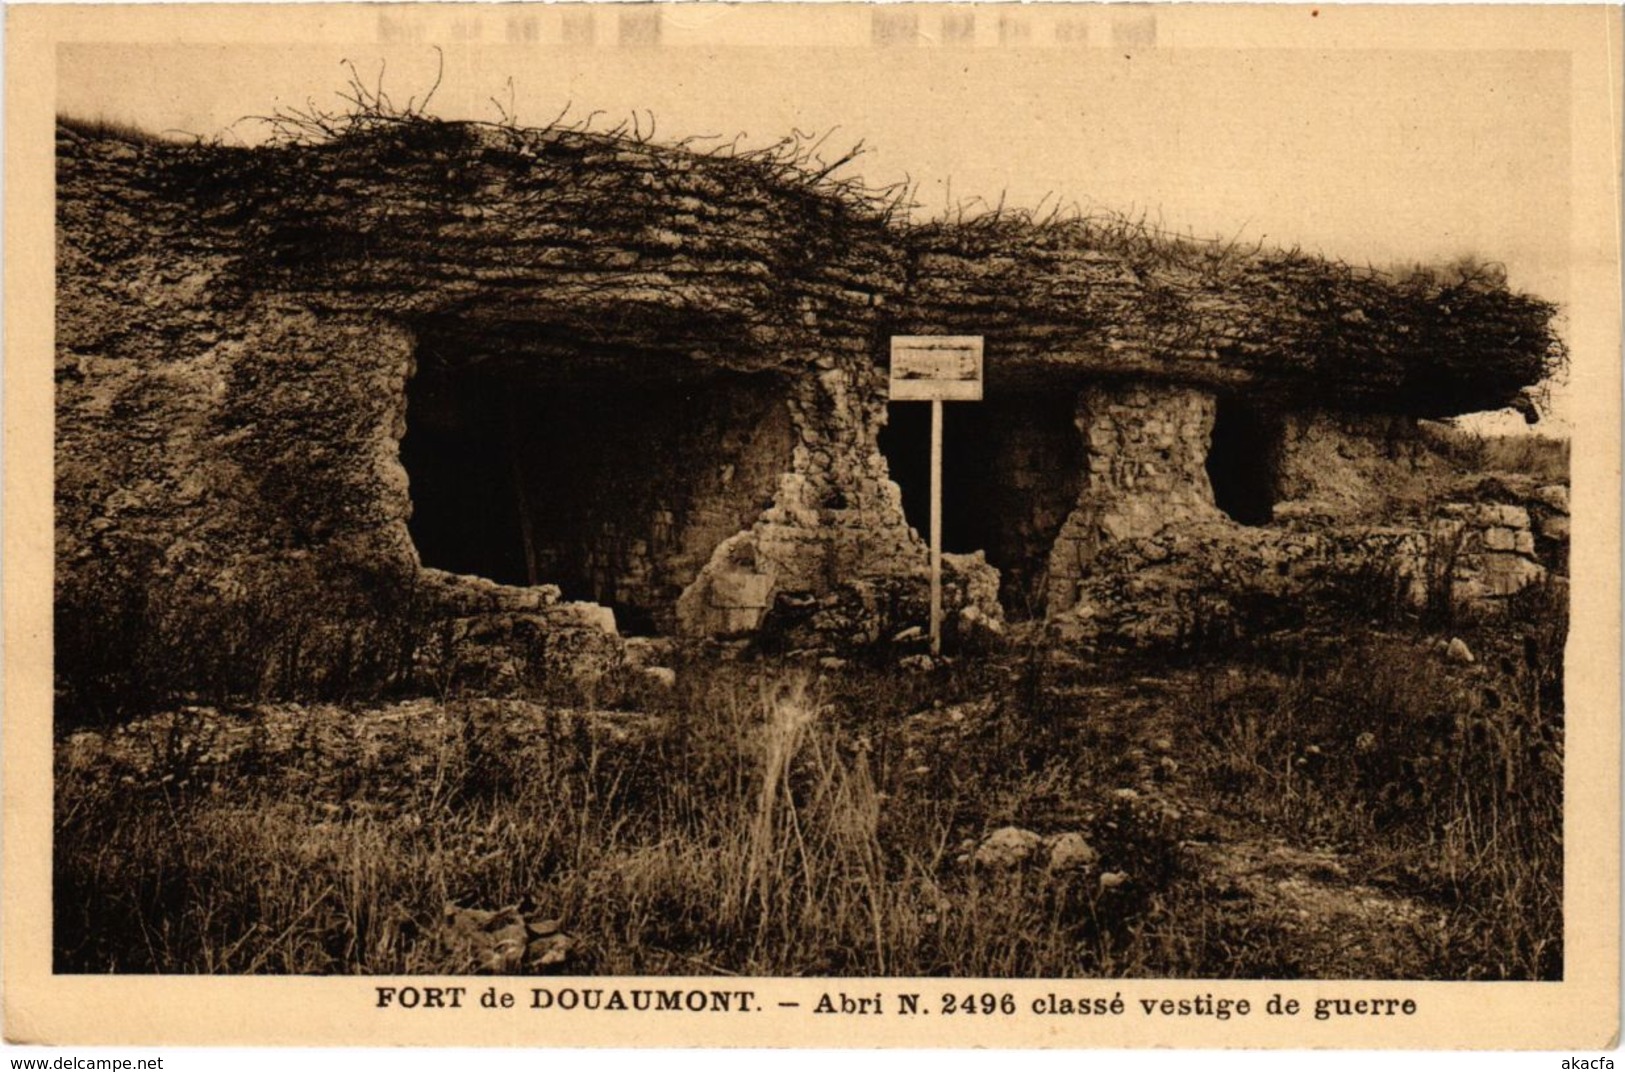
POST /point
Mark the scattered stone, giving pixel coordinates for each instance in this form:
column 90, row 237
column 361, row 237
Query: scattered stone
column 502, row 941
column 1070, row 852
column 1457, row 651
column 642, row 651
column 1110, row 880
column 484, row 940
column 1006, row 848
column 591, row 616
column 976, row 626
column 832, row 662
column 663, row 676
column 918, row 663
column 549, row 951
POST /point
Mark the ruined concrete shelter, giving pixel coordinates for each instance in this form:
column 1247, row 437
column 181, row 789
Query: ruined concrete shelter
column 561, row 385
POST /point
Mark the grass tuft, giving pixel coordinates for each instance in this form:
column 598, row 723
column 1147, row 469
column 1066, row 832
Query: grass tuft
column 1367, row 807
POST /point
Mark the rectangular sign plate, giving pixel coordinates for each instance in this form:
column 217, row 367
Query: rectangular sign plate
column 945, row 367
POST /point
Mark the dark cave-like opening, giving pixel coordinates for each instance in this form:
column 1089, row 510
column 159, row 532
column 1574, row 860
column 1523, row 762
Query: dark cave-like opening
column 1011, row 469
column 614, row 483
column 1241, row 461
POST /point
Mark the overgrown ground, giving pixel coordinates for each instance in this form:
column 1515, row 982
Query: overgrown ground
column 1349, row 802
column 1343, row 800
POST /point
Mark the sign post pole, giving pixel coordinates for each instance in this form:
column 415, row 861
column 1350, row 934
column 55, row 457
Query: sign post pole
column 935, row 369
column 936, row 526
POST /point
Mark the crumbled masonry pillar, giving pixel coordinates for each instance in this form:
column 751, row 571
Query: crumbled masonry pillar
column 835, row 516
column 1145, row 450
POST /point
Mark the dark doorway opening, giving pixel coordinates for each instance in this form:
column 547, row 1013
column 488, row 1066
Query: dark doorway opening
column 967, row 519
column 1012, row 465
column 1241, row 462
column 615, row 483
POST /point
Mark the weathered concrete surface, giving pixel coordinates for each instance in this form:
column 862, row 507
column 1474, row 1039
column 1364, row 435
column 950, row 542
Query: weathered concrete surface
column 1341, row 464
column 1487, row 548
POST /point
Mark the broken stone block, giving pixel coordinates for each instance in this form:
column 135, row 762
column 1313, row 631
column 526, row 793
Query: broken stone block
column 753, row 591
column 1503, row 514
column 1505, row 575
column 733, row 621
column 1554, row 496
column 730, row 596
column 1006, row 848
column 1071, row 852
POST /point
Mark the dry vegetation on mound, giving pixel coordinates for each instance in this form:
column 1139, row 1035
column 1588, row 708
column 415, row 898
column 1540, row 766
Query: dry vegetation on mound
column 1431, row 340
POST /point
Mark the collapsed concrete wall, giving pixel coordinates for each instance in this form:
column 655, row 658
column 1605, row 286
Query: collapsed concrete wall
column 1352, row 506
column 420, row 359
column 424, row 357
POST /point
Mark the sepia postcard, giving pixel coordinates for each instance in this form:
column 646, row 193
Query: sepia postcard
column 971, row 525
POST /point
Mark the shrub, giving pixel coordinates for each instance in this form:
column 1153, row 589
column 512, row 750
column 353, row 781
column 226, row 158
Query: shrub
column 132, row 636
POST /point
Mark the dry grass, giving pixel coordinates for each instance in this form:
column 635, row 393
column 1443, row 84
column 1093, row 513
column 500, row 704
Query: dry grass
column 102, row 127
column 1440, row 782
column 1544, row 458
column 759, row 819
column 752, row 835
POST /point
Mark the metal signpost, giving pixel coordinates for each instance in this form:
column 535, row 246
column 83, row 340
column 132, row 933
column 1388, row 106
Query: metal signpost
column 936, row 369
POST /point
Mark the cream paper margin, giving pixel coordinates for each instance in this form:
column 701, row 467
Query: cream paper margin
column 1580, row 1012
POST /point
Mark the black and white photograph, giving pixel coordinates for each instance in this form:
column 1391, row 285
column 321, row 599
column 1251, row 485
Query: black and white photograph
column 590, row 496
